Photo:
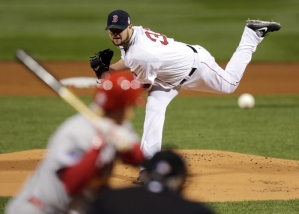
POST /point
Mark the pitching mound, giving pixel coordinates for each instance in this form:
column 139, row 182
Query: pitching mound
column 214, row 175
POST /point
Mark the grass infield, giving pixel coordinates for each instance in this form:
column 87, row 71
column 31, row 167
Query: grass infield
column 269, row 129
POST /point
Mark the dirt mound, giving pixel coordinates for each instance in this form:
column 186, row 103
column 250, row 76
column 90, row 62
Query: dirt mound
column 214, row 175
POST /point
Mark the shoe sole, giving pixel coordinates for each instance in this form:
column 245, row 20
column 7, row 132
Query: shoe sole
column 273, row 26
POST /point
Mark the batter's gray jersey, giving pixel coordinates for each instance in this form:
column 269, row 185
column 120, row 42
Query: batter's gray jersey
column 44, row 189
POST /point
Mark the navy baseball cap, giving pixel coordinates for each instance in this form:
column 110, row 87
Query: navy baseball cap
column 118, row 19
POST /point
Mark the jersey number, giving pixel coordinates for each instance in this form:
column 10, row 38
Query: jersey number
column 157, row 36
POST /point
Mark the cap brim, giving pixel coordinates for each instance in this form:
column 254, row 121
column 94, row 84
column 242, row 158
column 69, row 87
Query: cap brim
column 116, row 27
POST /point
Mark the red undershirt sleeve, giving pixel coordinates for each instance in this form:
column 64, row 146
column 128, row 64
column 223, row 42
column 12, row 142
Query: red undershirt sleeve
column 132, row 157
column 76, row 177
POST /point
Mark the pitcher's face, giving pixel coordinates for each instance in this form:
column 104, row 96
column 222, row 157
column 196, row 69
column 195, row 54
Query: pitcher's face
column 120, row 37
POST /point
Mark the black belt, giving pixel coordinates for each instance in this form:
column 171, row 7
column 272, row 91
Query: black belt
column 194, row 50
column 193, row 69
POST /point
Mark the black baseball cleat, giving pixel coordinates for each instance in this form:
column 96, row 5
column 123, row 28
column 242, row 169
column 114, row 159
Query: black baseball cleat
column 263, row 28
column 142, row 178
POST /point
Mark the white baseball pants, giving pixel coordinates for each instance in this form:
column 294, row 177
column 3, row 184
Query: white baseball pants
column 209, row 77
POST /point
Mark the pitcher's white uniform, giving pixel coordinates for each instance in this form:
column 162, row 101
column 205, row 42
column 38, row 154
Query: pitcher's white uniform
column 170, row 66
column 44, row 192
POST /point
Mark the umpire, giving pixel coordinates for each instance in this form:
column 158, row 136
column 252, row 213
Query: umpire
column 160, row 194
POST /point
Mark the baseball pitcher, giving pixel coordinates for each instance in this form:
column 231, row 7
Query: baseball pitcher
column 165, row 66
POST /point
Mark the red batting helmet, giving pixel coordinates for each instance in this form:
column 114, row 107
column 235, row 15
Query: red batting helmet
column 117, row 90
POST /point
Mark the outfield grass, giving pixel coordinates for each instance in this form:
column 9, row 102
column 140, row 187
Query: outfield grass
column 74, row 29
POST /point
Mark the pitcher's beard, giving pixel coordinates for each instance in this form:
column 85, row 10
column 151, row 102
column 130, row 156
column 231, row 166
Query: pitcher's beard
column 117, row 44
column 123, row 43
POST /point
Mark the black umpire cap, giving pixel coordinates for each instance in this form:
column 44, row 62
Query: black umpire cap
column 164, row 164
column 118, row 19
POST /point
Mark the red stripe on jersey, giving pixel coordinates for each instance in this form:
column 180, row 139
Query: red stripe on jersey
column 218, row 74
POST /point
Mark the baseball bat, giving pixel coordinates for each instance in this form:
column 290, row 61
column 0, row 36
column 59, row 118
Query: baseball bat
column 115, row 134
column 56, row 85
column 120, row 138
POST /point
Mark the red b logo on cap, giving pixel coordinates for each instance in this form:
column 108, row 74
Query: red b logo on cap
column 115, row 18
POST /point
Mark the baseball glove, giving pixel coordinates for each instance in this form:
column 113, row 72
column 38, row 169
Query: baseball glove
column 101, row 61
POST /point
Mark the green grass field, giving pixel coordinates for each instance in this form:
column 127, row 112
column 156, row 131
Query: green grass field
column 269, row 129
column 73, row 30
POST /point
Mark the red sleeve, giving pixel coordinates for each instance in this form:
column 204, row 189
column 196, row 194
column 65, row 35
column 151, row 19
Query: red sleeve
column 76, row 177
column 133, row 157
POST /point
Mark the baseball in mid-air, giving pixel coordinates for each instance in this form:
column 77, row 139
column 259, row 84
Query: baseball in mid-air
column 246, row 101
